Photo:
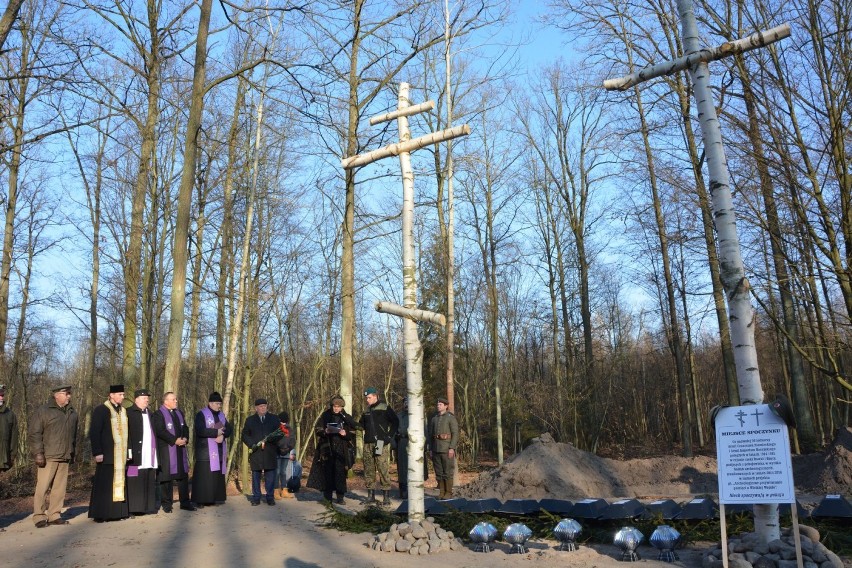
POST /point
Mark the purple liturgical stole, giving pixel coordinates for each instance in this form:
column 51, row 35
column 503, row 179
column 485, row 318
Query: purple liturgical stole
column 170, row 426
column 217, row 462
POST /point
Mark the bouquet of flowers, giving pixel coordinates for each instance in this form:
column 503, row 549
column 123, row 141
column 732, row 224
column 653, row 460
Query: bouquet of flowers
column 273, row 436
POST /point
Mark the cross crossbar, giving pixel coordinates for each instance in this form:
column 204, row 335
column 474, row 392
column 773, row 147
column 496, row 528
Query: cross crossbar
column 742, row 45
column 409, row 313
column 407, row 111
column 409, row 146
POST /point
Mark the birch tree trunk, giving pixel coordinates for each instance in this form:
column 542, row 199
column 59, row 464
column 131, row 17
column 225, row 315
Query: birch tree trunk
column 411, row 342
column 733, row 271
column 180, row 253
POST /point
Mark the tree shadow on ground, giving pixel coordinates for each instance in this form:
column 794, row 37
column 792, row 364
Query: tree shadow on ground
column 699, row 481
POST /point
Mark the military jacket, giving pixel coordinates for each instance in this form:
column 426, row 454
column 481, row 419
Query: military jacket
column 443, row 433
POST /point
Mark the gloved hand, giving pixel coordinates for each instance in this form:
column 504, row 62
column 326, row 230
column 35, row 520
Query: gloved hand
column 40, row 461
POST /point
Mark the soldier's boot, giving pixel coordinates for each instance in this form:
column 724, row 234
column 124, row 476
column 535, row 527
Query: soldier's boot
column 278, row 493
column 448, row 488
column 386, row 497
column 441, row 489
column 371, row 497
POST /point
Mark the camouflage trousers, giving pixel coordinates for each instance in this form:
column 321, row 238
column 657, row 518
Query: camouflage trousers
column 372, row 463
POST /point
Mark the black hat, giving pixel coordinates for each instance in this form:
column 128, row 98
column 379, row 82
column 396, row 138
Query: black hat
column 260, row 401
column 443, row 400
column 141, row 392
column 66, row 388
column 214, row 397
column 283, row 416
column 116, row 389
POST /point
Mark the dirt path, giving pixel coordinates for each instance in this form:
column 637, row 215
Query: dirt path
column 237, row 534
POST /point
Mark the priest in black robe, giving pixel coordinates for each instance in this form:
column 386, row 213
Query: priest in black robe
column 142, row 467
column 108, row 436
column 172, row 433
column 212, row 431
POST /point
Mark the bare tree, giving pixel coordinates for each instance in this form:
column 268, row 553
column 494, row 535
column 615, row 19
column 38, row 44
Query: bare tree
column 179, row 252
column 8, row 19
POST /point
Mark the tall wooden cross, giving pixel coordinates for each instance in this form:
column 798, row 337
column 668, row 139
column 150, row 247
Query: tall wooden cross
column 409, row 312
column 733, row 276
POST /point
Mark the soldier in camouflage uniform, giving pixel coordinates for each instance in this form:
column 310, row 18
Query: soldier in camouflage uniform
column 442, row 438
column 380, row 425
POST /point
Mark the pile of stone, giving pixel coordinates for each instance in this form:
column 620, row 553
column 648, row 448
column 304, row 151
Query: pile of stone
column 417, row 537
column 747, row 552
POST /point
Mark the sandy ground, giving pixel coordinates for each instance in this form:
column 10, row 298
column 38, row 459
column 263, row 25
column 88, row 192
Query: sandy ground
column 288, row 534
column 237, row 534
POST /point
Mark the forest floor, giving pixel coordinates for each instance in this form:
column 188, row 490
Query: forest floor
column 291, row 534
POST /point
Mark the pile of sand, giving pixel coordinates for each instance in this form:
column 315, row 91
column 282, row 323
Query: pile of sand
column 548, row 469
column 827, row 472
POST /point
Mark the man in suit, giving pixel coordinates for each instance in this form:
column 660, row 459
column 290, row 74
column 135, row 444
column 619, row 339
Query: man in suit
column 263, row 459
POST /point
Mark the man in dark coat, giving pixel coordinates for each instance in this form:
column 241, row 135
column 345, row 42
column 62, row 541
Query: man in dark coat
column 8, row 432
column 263, row 458
column 172, row 434
column 52, row 439
column 212, row 430
column 142, row 468
column 108, row 436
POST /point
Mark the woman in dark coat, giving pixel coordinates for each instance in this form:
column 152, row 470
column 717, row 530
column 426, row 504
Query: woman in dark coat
column 335, row 453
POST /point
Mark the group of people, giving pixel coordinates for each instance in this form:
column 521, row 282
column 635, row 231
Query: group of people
column 141, row 453
column 383, row 429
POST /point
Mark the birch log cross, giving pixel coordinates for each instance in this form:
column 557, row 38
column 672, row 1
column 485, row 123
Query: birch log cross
column 736, row 285
column 409, row 312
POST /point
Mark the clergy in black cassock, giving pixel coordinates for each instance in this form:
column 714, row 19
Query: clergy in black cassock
column 172, row 433
column 211, row 453
column 142, row 468
column 108, row 436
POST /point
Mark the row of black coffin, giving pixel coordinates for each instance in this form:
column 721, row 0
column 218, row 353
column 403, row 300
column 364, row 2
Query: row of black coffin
column 831, row 506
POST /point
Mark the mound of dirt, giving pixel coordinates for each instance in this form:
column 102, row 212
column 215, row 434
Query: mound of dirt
column 827, row 472
column 548, row 469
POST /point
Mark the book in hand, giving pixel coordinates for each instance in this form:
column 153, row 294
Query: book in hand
column 332, row 427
